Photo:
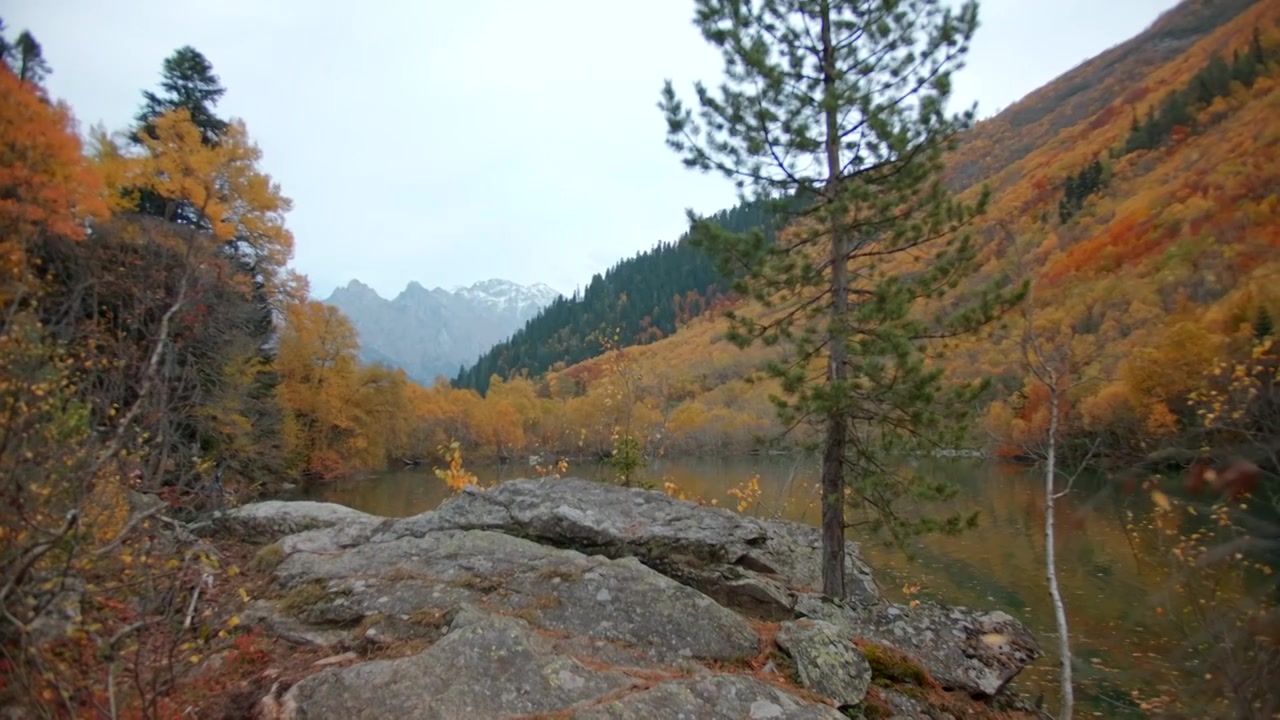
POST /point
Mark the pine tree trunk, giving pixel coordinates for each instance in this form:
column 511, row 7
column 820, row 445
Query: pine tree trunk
column 833, row 505
column 837, row 370
column 1050, row 559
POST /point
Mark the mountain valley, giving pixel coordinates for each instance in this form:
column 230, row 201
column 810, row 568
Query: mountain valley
column 431, row 333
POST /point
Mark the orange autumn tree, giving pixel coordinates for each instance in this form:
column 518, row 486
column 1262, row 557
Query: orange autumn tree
column 46, row 186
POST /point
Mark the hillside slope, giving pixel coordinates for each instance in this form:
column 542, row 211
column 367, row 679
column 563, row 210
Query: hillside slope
column 1138, row 191
column 1081, row 95
column 638, row 300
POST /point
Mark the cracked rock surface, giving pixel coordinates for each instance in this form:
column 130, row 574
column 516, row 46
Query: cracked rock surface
column 576, row 599
column 963, row 649
column 754, row 566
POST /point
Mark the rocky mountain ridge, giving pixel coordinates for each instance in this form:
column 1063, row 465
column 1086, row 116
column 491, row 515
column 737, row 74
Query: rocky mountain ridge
column 428, row 333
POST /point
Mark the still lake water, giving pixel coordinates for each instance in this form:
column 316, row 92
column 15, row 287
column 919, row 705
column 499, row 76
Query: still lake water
column 1107, row 590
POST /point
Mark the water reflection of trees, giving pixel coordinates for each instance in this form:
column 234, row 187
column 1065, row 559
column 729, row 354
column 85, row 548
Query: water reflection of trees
column 1217, row 604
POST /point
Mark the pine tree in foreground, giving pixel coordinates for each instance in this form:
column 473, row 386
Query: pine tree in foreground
column 843, row 103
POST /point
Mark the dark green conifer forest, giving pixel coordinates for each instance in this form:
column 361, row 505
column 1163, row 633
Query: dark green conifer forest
column 644, row 298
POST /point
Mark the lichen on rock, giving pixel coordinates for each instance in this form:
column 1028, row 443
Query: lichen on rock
column 826, row 660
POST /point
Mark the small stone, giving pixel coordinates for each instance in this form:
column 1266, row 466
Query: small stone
column 569, row 681
column 336, row 659
column 763, row 709
column 603, row 595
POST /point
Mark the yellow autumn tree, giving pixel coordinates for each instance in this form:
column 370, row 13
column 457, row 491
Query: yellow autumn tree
column 319, row 369
column 1162, row 374
column 341, row 415
column 238, row 205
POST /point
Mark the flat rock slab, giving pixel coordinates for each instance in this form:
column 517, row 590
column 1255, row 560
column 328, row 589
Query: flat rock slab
column 422, row 580
column 963, row 649
column 827, row 661
column 490, row 666
column 266, row 522
column 754, row 566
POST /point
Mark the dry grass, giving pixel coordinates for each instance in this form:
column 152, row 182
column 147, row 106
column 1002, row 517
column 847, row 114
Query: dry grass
column 304, row 597
column 267, row 559
column 561, row 573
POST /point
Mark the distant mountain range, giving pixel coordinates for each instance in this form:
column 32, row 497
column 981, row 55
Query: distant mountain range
column 431, row 333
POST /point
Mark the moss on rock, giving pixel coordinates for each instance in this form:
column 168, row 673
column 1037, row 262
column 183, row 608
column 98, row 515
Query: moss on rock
column 892, row 667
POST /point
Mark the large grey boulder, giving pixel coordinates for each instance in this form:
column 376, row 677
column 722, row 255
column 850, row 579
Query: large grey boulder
column 491, row 666
column 754, row 566
column 827, row 661
column 332, row 538
column 963, row 649
column 578, row 599
column 392, row 586
column 268, row 521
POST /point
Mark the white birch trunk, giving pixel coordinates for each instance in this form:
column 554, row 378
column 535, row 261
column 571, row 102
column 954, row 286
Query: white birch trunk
column 1050, row 561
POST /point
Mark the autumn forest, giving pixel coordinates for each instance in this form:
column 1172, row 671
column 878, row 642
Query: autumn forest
column 1123, row 245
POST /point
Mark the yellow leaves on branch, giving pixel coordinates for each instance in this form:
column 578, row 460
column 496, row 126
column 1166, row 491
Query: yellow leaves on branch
column 1160, row 420
column 556, row 471
column 1161, row 500
column 1237, row 386
column 673, row 490
column 748, row 493
column 221, row 182
column 454, row 474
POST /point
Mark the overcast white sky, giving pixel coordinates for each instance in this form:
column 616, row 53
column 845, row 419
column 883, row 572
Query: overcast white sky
column 450, row 141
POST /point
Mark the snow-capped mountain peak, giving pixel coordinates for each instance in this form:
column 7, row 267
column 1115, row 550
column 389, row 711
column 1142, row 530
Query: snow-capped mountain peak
column 524, row 300
column 430, row 332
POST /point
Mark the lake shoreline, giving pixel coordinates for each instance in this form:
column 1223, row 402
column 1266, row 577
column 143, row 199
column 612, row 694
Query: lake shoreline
column 714, row 599
column 997, row 565
column 548, row 461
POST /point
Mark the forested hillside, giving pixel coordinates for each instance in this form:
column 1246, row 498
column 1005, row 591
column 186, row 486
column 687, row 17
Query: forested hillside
column 156, row 354
column 640, row 300
column 649, row 296
column 1138, row 193
column 1116, row 82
